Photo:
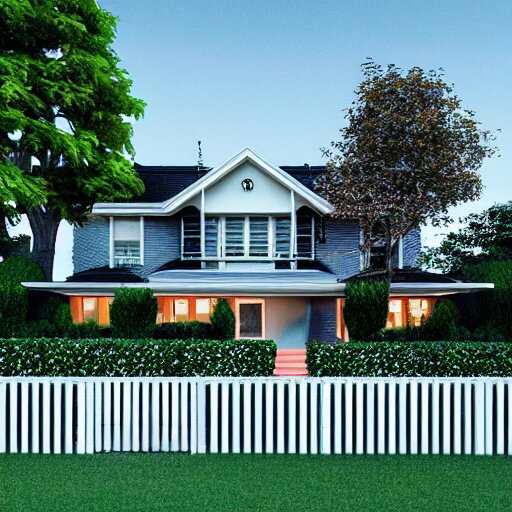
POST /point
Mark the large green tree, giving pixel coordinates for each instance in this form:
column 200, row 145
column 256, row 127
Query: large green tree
column 485, row 236
column 65, row 116
column 407, row 154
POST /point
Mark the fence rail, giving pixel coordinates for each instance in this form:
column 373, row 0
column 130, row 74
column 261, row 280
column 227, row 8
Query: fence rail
column 257, row 415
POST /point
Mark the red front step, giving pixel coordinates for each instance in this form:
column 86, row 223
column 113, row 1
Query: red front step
column 291, row 362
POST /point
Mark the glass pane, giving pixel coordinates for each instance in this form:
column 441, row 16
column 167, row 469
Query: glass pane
column 91, row 309
column 304, row 237
column 181, row 310
column 395, row 314
column 211, row 235
column 127, row 228
column 282, row 235
column 235, row 236
column 126, row 253
column 258, row 241
column 203, row 310
column 251, row 320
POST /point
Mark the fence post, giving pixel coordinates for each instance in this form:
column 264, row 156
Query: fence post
column 13, row 423
column 326, row 418
column 24, row 416
column 479, row 418
column 3, row 417
column 201, row 417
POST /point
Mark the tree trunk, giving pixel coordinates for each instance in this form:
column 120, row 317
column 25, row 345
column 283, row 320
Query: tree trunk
column 390, row 245
column 44, row 227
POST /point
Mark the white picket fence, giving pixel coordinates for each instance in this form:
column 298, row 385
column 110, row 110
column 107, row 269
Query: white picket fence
column 257, row 415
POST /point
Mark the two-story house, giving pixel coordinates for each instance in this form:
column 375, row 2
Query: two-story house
column 248, row 231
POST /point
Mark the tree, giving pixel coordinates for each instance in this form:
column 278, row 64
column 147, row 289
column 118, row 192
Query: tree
column 487, row 236
column 65, row 116
column 408, row 153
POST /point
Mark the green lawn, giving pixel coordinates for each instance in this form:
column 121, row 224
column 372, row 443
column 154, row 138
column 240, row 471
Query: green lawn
column 182, row 482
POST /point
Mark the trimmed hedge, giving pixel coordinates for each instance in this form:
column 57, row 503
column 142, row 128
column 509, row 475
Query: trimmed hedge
column 410, row 359
column 135, row 358
column 133, row 313
column 184, row 331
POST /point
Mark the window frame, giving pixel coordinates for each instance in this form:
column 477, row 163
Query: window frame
column 112, row 241
column 238, row 302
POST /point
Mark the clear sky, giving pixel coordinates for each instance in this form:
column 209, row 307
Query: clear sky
column 275, row 75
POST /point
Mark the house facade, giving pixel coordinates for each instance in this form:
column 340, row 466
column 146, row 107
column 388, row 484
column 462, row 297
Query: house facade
column 248, row 231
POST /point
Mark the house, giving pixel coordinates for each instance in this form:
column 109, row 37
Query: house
column 249, row 231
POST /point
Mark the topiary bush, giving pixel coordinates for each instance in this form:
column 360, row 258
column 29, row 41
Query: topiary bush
column 410, row 359
column 15, row 298
column 136, row 358
column 223, row 320
column 366, row 308
column 183, row 331
column 133, row 313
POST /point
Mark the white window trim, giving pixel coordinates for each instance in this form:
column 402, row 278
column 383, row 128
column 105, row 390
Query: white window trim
column 111, row 259
column 237, row 318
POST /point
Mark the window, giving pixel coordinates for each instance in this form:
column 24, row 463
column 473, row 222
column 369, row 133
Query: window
column 179, row 311
column 305, row 238
column 282, row 237
column 419, row 310
column 211, row 236
column 90, row 309
column 395, row 316
column 250, row 318
column 191, row 237
column 204, row 308
column 126, row 241
column 258, row 236
column 235, row 228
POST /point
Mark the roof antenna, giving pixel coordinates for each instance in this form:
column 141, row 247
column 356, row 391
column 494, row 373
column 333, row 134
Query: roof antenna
column 199, row 154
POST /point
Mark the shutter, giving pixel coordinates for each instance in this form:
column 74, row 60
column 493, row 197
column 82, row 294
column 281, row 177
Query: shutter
column 282, row 237
column 235, row 236
column 258, row 238
column 211, row 236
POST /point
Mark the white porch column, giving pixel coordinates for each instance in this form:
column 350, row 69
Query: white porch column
column 400, row 252
column 293, row 226
column 202, row 219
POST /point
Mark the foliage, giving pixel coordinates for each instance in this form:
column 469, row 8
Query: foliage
column 490, row 310
column 15, row 245
column 66, row 102
column 408, row 153
column 134, row 358
column 223, row 320
column 486, row 236
column 366, row 307
column 14, row 298
column 183, row 331
column 443, row 323
column 133, row 313
column 410, row 359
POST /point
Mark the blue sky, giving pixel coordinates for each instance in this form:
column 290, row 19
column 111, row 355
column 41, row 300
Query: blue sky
column 275, row 75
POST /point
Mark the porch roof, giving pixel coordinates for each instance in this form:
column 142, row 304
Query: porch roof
column 250, row 283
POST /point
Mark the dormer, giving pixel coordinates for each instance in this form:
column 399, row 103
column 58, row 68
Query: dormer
column 245, row 210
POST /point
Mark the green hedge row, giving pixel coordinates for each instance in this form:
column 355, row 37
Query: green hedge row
column 410, row 359
column 136, row 358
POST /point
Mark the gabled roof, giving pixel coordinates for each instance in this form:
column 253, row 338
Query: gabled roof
column 175, row 203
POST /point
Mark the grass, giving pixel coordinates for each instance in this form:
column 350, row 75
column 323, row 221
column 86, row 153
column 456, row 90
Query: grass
column 183, row 482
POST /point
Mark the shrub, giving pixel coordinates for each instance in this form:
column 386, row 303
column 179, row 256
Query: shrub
column 63, row 320
column 223, row 320
column 490, row 309
column 88, row 329
column 135, row 358
column 14, row 298
column 409, row 359
column 442, row 324
column 133, row 313
column 366, row 308
column 183, row 331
